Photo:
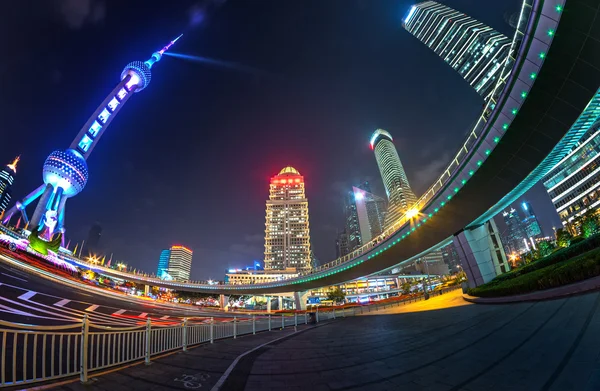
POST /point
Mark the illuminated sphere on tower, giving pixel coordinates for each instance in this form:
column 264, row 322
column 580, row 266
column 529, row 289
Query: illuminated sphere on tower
column 67, row 170
column 140, row 74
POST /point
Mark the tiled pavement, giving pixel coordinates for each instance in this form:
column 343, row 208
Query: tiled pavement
column 551, row 345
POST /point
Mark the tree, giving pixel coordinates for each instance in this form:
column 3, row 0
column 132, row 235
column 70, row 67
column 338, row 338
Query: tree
column 563, row 237
column 336, row 295
column 406, row 288
column 589, row 224
column 544, row 248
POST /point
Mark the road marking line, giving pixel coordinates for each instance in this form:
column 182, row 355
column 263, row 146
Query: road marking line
column 8, row 275
column 15, row 311
column 62, row 302
column 143, row 315
column 28, row 295
column 165, row 317
column 92, row 308
column 119, row 312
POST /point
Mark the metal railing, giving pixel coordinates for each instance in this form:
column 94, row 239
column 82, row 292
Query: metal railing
column 30, row 354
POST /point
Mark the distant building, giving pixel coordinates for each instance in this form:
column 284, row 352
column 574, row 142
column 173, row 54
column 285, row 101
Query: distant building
column 371, row 211
column 341, row 244
column 515, row 238
column 432, row 263
column 287, row 232
column 7, row 178
column 573, row 184
column 530, row 222
column 353, row 230
column 400, row 195
column 476, row 51
column 244, row 277
column 163, row 263
column 180, row 262
column 450, row 257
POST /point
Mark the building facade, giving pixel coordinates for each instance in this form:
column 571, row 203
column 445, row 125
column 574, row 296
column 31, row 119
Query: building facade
column 180, row 262
column 7, row 178
column 530, row 222
column 476, row 51
column 400, row 196
column 341, row 244
column 371, row 211
column 574, row 183
column 355, row 239
column 515, row 238
column 287, row 232
column 244, row 277
column 163, row 264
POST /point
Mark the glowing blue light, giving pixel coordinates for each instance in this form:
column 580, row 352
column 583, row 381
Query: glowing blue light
column 410, row 14
column 85, row 143
column 121, row 94
column 358, row 196
column 112, row 105
column 524, row 205
column 104, row 116
column 94, row 129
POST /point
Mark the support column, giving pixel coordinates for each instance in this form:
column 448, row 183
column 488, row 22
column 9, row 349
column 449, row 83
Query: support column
column 481, row 254
column 269, row 304
column 224, row 302
column 300, row 300
column 280, row 303
column 146, row 290
column 41, row 207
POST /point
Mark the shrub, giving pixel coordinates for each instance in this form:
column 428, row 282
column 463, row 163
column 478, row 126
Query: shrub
column 566, row 272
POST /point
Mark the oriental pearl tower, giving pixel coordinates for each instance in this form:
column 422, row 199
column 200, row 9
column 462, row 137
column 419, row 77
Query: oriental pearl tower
column 65, row 172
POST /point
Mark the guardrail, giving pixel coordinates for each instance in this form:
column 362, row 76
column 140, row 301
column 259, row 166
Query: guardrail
column 31, row 354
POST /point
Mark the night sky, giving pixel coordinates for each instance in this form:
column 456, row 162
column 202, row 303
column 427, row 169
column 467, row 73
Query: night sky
column 188, row 160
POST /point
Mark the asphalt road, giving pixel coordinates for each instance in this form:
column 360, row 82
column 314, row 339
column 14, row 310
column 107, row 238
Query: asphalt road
column 32, row 299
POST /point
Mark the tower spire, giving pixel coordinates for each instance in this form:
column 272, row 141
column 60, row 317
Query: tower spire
column 13, row 165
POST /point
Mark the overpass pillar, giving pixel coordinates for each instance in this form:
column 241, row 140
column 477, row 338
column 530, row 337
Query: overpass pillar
column 146, row 290
column 280, row 302
column 481, row 254
column 269, row 304
column 300, row 300
column 223, row 302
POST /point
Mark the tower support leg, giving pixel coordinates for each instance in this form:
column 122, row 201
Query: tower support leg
column 481, row 253
column 42, row 207
column 20, row 206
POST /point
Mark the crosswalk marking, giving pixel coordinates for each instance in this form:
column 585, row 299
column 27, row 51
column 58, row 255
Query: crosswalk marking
column 119, row 312
column 165, row 317
column 62, row 302
column 143, row 315
column 92, row 308
column 27, row 295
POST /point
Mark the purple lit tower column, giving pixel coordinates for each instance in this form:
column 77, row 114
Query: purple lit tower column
column 65, row 171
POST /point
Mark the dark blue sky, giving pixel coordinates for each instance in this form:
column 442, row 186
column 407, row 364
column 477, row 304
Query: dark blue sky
column 188, row 160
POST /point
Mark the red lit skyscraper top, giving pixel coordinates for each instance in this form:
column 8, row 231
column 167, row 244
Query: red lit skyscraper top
column 287, row 233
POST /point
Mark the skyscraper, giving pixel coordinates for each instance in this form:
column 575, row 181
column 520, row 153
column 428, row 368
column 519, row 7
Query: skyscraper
column 341, row 244
column 400, row 196
column 163, row 263
column 353, row 228
column 515, row 237
column 573, row 184
column 287, row 233
column 476, row 51
column 530, row 222
column 7, row 177
column 371, row 211
column 180, row 262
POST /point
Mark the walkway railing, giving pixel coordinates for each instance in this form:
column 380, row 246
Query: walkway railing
column 30, row 354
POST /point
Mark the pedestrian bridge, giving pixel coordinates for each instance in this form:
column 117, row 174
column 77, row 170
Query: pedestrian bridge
column 547, row 97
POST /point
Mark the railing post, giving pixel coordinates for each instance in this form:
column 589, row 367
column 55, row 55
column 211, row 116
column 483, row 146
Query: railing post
column 282, row 322
column 334, row 313
column 344, row 313
column 305, row 318
column 148, row 341
column 317, row 317
column 295, row 321
column 185, row 336
column 253, row 324
column 234, row 327
column 83, row 360
column 269, row 322
column 212, row 330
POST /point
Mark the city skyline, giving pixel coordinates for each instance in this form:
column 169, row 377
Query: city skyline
column 235, row 238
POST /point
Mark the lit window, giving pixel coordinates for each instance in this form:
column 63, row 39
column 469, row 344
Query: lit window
column 122, row 93
column 85, row 143
column 94, row 129
column 104, row 116
column 112, row 105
